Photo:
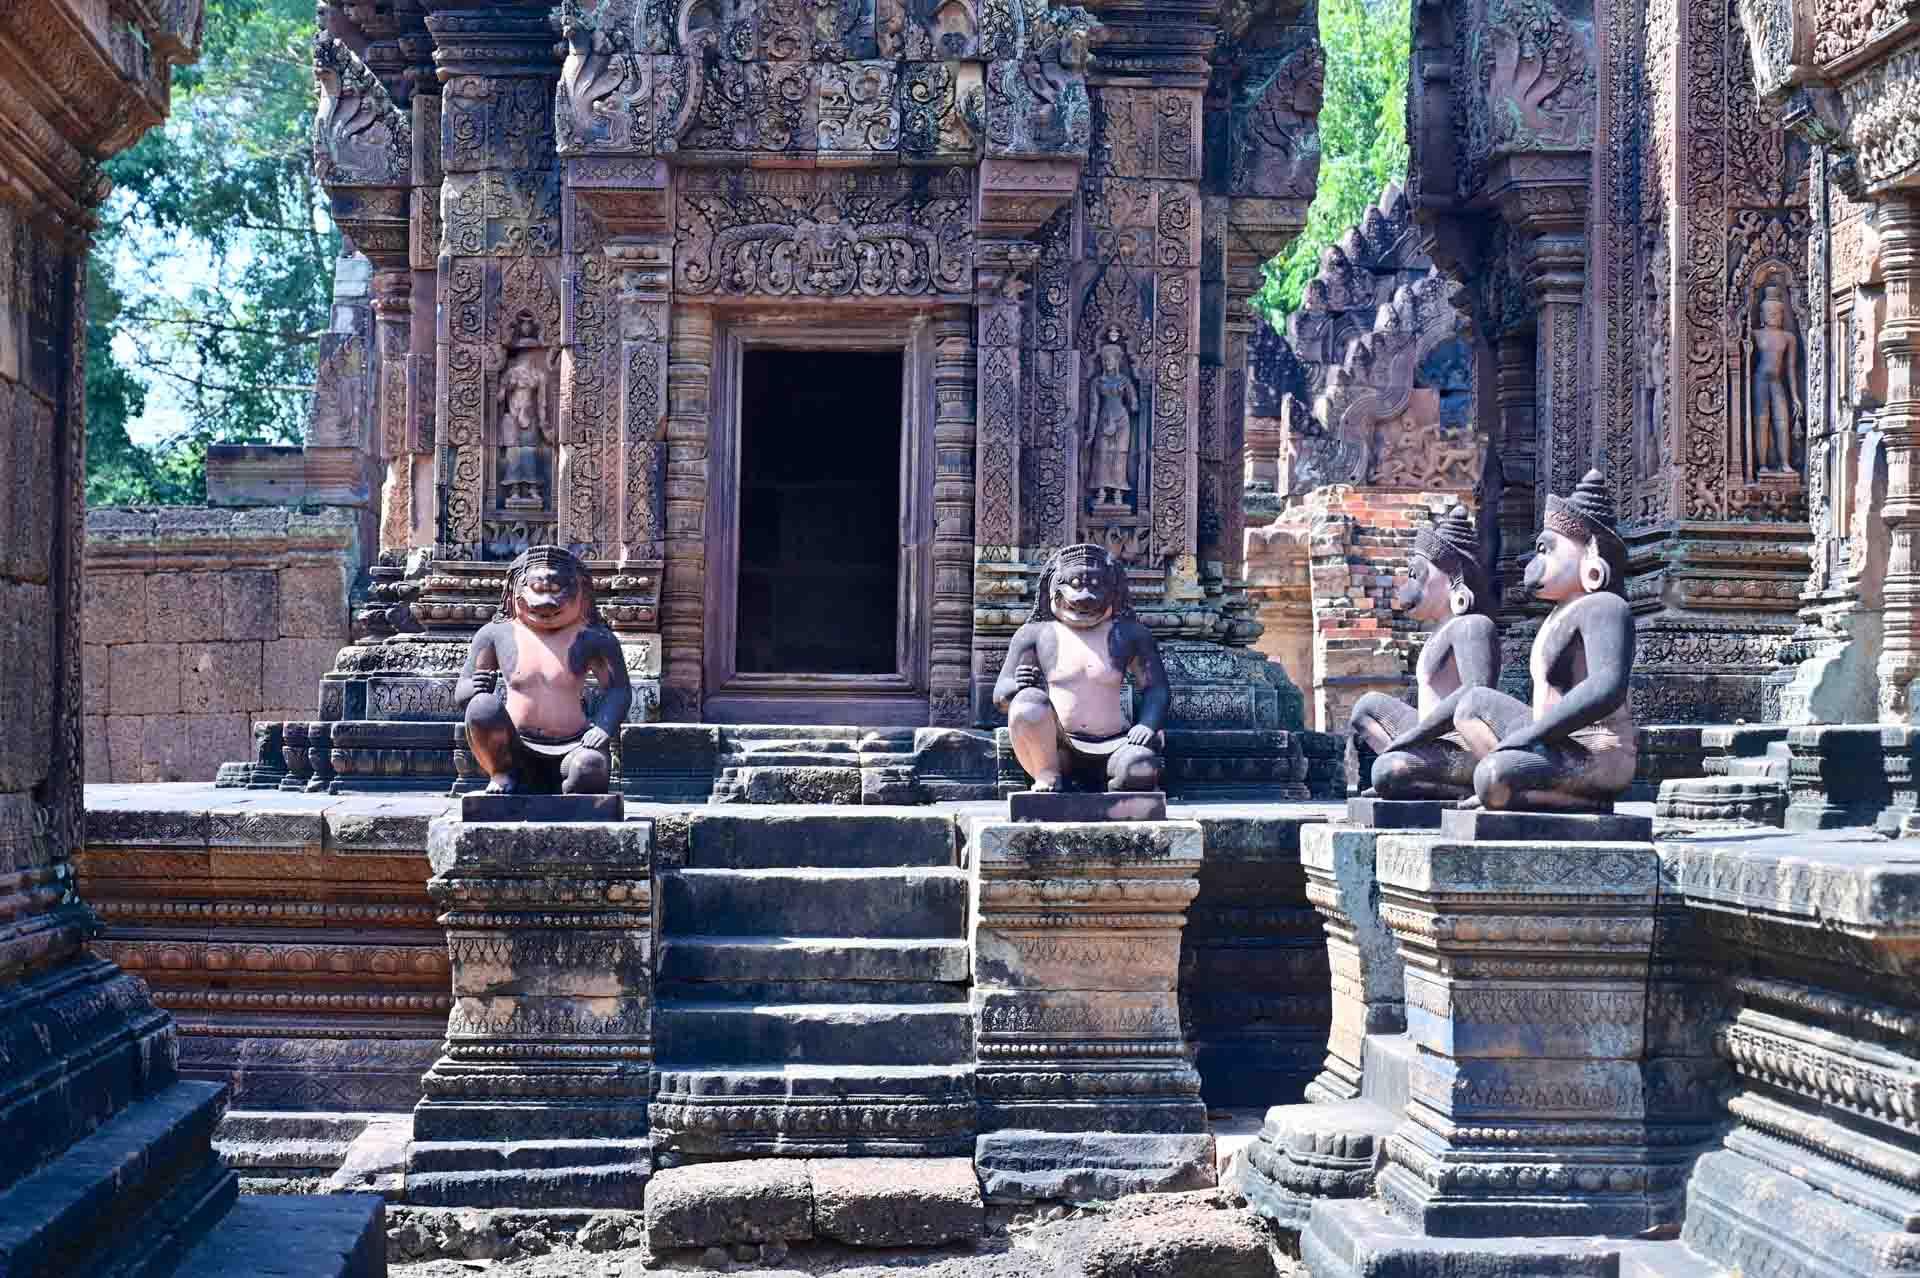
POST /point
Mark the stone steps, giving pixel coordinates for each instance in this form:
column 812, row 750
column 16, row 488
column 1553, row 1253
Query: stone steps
column 816, row 1033
column 145, row 1197
column 685, row 959
column 813, row 989
column 884, row 903
column 726, row 840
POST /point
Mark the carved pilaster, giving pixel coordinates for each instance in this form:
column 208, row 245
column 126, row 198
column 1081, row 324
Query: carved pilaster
column 954, row 500
column 393, row 444
column 1515, row 414
column 683, row 591
column 1898, row 223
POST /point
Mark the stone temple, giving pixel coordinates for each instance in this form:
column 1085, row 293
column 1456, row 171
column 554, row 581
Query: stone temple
column 814, row 331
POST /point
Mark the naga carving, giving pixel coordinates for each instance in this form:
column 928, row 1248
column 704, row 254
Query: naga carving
column 360, row 137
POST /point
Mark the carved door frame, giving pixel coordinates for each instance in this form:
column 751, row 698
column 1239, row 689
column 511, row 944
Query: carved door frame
column 897, row 699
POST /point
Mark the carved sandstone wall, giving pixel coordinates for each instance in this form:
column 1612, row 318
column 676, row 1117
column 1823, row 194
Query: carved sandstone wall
column 199, row 621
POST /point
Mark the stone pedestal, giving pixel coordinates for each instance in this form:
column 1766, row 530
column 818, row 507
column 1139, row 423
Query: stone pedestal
column 1330, row 1147
column 1064, row 805
column 540, row 1098
column 1526, row 995
column 1712, row 802
column 1851, row 774
column 1083, row 1076
column 1372, row 813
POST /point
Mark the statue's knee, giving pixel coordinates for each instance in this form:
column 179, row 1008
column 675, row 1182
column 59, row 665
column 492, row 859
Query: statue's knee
column 1029, row 706
column 1134, row 768
column 588, row 772
column 1391, row 771
column 487, row 712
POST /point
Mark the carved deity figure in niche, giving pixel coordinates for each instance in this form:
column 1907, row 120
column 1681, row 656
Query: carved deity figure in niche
column 524, row 688
column 1775, row 405
column 525, row 435
column 1113, row 398
column 1061, row 685
column 1573, row 749
column 1421, row 755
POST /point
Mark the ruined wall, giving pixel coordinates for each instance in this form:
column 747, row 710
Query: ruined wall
column 199, row 621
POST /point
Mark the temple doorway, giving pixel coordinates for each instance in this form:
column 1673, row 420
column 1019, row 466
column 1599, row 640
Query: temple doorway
column 819, row 593
column 819, row 512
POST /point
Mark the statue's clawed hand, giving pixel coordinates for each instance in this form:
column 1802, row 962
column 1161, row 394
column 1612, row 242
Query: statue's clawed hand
column 1028, row 676
column 486, row 681
column 596, row 738
column 1141, row 735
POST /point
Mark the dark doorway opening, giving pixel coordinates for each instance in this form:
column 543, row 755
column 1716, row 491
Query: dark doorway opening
column 819, row 512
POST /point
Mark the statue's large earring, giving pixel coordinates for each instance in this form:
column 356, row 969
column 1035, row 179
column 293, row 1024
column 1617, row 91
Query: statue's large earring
column 1460, row 598
column 1596, row 574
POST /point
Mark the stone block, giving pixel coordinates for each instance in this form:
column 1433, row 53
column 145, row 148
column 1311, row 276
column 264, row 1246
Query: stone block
column 113, row 607
column 191, row 747
column 126, row 740
column 1312, row 1151
column 544, row 808
column 664, row 762
column 291, row 669
column 1062, row 805
column 1038, row 1166
column 183, row 606
column 717, row 1204
column 250, row 605
column 144, row 678
column 99, row 767
column 219, row 677
column 95, row 672
column 1545, row 827
column 313, row 603
column 896, row 1202
column 1368, row 985
column 1395, row 814
column 1705, row 802
column 1355, row 1239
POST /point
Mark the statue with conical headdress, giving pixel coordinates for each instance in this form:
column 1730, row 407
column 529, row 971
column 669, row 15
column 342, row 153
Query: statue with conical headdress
column 1573, row 749
column 1420, row 754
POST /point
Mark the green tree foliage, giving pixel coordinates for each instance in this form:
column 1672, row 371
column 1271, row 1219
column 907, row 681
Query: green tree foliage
column 212, row 272
column 1363, row 135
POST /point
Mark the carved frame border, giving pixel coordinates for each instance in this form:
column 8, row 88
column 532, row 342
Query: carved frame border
column 880, row 700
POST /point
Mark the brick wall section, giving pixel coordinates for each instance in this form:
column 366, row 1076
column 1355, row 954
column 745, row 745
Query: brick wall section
column 197, row 622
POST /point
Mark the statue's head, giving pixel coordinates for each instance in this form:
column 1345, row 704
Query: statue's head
column 1444, row 575
column 1082, row 586
column 1112, row 353
column 1578, row 552
column 1773, row 307
column 548, row 589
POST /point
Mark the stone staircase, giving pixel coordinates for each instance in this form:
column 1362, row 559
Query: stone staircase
column 813, row 989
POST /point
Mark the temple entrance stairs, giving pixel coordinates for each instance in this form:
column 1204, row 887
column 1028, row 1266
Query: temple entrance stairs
column 813, row 988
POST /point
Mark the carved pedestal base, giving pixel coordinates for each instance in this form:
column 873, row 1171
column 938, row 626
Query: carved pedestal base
column 1085, row 1087
column 540, row 1099
column 1852, row 775
column 1527, row 1003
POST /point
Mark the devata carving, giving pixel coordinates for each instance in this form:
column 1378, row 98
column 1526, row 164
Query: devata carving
column 1776, row 413
column 1066, row 671
column 1574, row 749
column 523, row 690
column 1114, row 396
column 525, row 436
column 1421, row 754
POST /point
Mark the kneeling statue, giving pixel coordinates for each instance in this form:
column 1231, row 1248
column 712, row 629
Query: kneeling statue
column 524, row 687
column 1574, row 749
column 1421, row 756
column 1066, row 671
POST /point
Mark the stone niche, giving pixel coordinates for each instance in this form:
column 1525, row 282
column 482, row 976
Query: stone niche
column 581, row 254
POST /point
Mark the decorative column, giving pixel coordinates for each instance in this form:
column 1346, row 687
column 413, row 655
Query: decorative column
column 1516, row 418
column 1898, row 223
column 1085, row 1085
column 683, row 590
column 539, row 1098
column 397, row 435
column 951, row 633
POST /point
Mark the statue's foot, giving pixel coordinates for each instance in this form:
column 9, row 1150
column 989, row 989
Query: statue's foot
column 1045, row 784
column 1469, row 804
column 1369, row 793
column 505, row 783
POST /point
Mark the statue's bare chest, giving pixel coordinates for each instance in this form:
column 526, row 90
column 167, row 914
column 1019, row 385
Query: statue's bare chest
column 543, row 658
column 1080, row 656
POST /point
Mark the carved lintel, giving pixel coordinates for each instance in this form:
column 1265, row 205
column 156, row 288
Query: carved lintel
column 627, row 197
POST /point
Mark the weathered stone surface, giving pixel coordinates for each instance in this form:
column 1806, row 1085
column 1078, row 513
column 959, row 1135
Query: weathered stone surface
column 114, row 608
column 1368, row 988
column 1395, row 814
column 1175, row 1235
column 1308, row 1152
column 219, row 678
column 543, row 808
column 896, row 1202
column 183, row 606
column 145, row 678
column 1358, row 1240
column 1545, row 827
column 712, row 1204
column 1694, row 802
column 1062, row 805
column 250, row 605
column 1029, row 1166
column 291, row 670
column 313, row 603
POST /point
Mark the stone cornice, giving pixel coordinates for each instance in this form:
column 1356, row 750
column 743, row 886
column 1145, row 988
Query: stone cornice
column 87, row 81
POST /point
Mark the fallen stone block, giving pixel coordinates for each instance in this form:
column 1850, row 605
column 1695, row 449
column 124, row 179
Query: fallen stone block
column 896, row 1202
column 715, row 1204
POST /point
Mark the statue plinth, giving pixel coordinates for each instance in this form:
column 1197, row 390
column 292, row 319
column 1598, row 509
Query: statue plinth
column 1372, row 813
column 1067, row 805
column 545, row 808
